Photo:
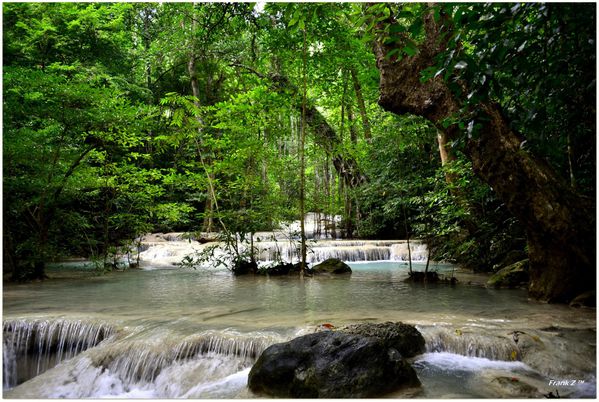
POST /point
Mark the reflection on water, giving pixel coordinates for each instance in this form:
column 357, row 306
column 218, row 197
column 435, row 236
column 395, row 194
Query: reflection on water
column 178, row 303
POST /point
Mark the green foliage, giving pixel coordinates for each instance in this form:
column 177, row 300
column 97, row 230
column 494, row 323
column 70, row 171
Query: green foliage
column 536, row 60
column 104, row 140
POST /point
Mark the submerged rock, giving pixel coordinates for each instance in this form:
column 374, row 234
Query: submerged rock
column 496, row 384
column 406, row 339
column 512, row 276
column 330, row 365
column 332, row 266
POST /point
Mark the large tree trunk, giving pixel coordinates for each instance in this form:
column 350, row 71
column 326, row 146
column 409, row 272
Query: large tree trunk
column 560, row 224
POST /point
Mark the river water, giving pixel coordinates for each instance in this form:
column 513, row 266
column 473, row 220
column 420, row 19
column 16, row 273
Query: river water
column 166, row 332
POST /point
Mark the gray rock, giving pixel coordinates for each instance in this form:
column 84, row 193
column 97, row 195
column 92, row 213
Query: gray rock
column 330, row 365
column 332, row 266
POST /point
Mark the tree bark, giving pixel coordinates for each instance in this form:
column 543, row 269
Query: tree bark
column 444, row 153
column 560, row 224
column 195, row 90
column 361, row 105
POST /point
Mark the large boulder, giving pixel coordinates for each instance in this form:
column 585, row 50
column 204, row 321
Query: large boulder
column 512, row 276
column 330, row 365
column 406, row 339
column 332, row 266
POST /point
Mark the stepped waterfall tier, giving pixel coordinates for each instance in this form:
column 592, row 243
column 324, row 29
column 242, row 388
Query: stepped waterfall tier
column 128, row 360
column 32, row 347
column 171, row 248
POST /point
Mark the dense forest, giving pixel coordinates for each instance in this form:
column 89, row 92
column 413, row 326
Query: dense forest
column 469, row 126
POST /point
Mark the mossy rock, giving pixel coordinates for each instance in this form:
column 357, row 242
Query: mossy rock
column 332, row 266
column 512, row 276
column 330, row 365
column 405, row 338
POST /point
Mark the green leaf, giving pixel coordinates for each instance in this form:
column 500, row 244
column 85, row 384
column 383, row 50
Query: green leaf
column 410, row 49
column 391, row 53
column 396, row 28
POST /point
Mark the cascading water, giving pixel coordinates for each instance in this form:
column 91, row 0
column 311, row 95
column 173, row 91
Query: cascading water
column 32, row 347
column 175, row 333
column 161, row 253
column 472, row 344
column 132, row 362
column 345, row 250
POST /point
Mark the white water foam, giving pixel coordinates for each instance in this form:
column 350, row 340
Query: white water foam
column 161, row 254
column 451, row 362
column 149, row 364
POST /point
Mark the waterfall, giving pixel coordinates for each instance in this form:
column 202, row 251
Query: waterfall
column 471, row 344
column 345, row 250
column 168, row 251
column 139, row 362
column 32, row 347
column 143, row 361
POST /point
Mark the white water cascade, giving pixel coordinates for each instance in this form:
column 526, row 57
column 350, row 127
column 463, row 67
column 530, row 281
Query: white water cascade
column 130, row 362
column 32, row 347
column 345, row 250
column 472, row 344
column 170, row 249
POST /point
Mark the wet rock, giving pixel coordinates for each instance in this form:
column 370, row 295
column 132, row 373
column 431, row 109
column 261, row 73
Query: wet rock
column 406, row 339
column 559, row 352
column 330, row 365
column 285, row 268
column 244, row 267
column 586, row 299
column 512, row 257
column 332, row 266
column 515, row 387
column 512, row 276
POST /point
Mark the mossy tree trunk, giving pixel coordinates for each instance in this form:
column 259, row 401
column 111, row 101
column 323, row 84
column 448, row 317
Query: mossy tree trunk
column 560, row 223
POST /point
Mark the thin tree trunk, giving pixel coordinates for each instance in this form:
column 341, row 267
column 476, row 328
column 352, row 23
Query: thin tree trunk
column 208, row 205
column 343, row 101
column 444, row 153
column 303, row 166
column 428, row 260
column 353, row 135
column 195, row 89
column 405, row 223
column 361, row 105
